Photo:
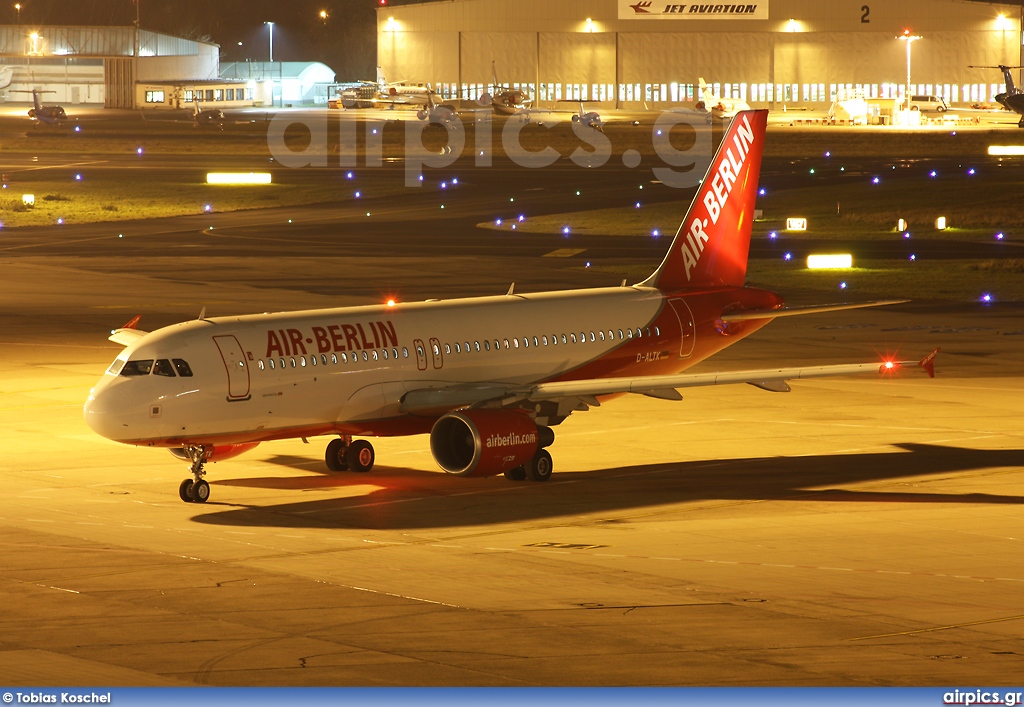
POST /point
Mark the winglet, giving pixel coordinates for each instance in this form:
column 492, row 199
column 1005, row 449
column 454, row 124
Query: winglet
column 133, row 323
column 928, row 363
column 511, row 290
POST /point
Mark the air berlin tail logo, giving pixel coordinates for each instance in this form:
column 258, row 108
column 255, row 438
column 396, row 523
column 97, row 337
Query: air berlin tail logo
column 511, row 440
column 718, row 188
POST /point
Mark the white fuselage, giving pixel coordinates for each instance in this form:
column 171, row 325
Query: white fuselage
column 346, row 370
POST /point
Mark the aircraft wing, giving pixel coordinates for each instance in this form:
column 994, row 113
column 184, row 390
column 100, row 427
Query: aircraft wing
column 128, row 334
column 768, row 379
column 794, row 311
column 438, row 400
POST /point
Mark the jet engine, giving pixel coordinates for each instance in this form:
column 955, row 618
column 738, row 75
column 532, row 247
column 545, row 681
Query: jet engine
column 486, row 442
column 216, row 453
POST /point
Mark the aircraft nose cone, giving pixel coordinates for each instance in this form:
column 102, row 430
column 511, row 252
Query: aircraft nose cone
column 103, row 415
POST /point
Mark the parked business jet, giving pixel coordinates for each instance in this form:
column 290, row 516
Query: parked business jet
column 1012, row 98
column 719, row 107
column 6, row 76
column 486, row 377
column 47, row 115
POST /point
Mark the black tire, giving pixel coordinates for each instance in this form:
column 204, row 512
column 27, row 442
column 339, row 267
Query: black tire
column 360, row 456
column 941, row 109
column 540, row 466
column 200, row 491
column 516, row 474
column 335, row 455
column 185, row 490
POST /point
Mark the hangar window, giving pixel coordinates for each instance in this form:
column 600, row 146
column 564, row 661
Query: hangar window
column 154, row 96
column 248, row 94
column 218, row 94
column 190, row 95
column 137, row 368
column 229, row 94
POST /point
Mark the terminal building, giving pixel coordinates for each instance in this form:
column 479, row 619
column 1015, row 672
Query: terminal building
column 638, row 54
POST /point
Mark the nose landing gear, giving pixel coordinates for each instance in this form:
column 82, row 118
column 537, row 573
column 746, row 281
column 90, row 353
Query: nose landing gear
column 196, row 489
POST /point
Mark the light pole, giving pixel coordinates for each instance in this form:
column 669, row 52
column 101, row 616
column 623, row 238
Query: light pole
column 271, row 25
column 17, row 8
column 909, row 39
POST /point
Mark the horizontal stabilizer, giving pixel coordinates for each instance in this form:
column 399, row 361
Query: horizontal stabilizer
column 794, row 311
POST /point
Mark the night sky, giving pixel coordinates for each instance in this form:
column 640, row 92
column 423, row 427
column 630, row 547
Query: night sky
column 346, row 41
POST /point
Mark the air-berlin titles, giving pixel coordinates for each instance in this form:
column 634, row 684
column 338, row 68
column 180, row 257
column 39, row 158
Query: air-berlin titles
column 729, row 169
column 335, row 337
column 511, row 440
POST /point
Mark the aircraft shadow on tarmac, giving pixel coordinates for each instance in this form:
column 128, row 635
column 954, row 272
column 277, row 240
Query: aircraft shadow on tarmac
column 406, row 499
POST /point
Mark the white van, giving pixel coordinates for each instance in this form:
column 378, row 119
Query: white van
column 928, row 103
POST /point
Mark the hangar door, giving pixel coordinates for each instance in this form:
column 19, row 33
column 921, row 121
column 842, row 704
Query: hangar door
column 118, row 83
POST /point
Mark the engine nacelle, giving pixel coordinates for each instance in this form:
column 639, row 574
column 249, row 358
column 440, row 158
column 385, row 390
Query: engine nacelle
column 216, row 453
column 485, row 442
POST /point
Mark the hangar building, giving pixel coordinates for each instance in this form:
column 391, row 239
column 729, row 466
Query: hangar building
column 648, row 53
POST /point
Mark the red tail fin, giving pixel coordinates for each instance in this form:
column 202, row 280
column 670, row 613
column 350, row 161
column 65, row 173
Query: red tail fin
column 711, row 246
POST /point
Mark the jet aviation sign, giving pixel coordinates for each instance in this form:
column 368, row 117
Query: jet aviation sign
column 659, row 10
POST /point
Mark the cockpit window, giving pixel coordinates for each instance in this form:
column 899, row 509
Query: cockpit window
column 183, row 368
column 163, row 368
column 141, row 367
column 116, row 366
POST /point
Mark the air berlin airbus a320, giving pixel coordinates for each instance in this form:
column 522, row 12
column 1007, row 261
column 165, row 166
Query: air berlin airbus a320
column 487, row 377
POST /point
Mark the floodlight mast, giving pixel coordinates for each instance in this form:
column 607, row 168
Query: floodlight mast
column 909, row 39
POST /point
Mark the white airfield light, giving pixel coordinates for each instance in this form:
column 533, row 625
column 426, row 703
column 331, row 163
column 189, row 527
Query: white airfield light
column 796, row 224
column 901, row 225
column 238, row 178
column 1006, row 150
column 28, row 199
column 940, row 223
column 834, row 261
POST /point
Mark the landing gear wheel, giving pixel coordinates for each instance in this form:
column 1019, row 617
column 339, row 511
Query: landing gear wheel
column 185, row 490
column 360, row 456
column 540, row 466
column 200, row 491
column 335, row 455
column 516, row 474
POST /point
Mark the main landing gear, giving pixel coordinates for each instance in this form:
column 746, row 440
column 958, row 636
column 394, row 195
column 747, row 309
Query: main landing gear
column 538, row 469
column 346, row 454
column 195, row 490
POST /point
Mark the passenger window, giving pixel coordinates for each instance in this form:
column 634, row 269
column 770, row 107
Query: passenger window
column 375, row 354
column 487, row 345
column 506, row 343
column 544, row 339
column 629, row 333
column 182, row 367
column 516, row 342
column 302, row 360
column 312, row 359
column 447, row 349
column 620, row 334
column 592, row 337
column 419, row 350
column 261, row 364
column 323, row 359
column 384, row 353
column 573, row 337
column 611, row 335
column 477, row 344
column 344, row 358
column 293, row 362
column 458, row 348
column 405, row 352
column 137, row 368
column 163, row 368
column 394, row 354
column 365, row 357
column 563, row 339
column 602, row 335
column 437, row 351
column 496, row 345
column 467, row 347
column 116, row 366
column 271, row 362
column 648, row 331
column 639, row 333
column 283, row 363
column 526, row 342
column 583, row 337
column 657, row 331
column 535, row 342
